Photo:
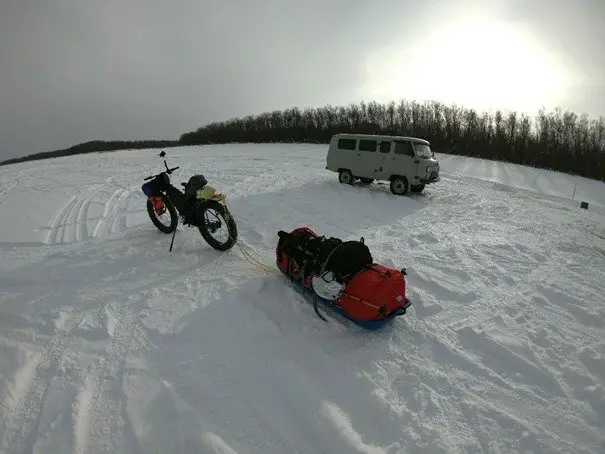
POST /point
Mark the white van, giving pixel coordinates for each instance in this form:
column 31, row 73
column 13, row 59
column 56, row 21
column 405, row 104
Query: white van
column 407, row 162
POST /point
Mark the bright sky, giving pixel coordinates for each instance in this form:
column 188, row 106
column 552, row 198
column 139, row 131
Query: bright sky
column 79, row 70
column 476, row 60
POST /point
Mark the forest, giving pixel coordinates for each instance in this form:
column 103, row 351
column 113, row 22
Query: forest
column 556, row 140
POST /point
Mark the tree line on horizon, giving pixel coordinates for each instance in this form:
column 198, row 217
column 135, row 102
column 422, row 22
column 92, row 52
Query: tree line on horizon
column 95, row 146
column 559, row 140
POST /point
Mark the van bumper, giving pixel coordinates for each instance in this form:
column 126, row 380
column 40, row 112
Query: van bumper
column 432, row 178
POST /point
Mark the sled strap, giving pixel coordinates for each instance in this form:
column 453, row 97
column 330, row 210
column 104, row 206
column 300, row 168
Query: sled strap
column 373, row 306
column 382, row 273
column 325, row 263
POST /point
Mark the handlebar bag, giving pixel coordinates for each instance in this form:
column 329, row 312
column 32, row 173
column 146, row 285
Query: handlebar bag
column 151, row 189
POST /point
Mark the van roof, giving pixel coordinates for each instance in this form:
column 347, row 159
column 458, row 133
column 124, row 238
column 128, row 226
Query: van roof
column 380, row 136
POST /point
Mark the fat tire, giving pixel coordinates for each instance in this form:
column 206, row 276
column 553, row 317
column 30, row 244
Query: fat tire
column 231, row 226
column 173, row 217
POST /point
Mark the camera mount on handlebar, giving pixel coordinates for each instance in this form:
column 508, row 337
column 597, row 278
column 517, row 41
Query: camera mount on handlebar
column 168, row 170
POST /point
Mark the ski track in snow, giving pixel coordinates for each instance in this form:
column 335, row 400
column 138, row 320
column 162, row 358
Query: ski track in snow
column 111, row 344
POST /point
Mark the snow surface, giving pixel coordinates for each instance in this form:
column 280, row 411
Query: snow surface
column 111, row 344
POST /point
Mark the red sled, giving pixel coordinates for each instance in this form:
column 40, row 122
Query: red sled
column 342, row 276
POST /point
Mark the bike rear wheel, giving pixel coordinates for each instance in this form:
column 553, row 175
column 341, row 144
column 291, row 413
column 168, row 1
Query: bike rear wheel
column 215, row 216
column 161, row 217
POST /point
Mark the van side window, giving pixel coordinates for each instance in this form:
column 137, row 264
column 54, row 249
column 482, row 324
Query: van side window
column 404, row 148
column 367, row 145
column 347, row 144
column 385, row 147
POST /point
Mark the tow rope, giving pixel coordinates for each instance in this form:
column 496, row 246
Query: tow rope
column 255, row 262
column 270, row 270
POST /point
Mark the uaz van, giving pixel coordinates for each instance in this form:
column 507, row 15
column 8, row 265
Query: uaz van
column 408, row 163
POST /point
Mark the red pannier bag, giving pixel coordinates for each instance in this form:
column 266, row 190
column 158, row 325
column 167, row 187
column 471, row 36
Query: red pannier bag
column 374, row 293
column 288, row 266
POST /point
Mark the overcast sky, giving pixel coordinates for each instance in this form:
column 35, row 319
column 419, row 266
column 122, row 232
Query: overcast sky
column 79, row 70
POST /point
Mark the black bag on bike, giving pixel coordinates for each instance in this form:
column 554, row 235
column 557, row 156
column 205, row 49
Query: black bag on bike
column 195, row 183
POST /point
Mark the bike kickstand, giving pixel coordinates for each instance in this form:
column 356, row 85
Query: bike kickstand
column 173, row 234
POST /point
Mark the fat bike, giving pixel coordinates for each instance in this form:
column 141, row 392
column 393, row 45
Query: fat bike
column 199, row 206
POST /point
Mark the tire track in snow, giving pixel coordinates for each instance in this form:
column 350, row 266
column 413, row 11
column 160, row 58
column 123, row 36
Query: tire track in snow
column 115, row 207
column 58, row 220
column 119, row 223
column 216, row 443
column 100, row 401
column 82, row 220
column 27, row 396
column 100, row 226
column 70, row 222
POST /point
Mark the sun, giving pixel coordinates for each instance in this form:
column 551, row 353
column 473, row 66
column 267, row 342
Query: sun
column 477, row 62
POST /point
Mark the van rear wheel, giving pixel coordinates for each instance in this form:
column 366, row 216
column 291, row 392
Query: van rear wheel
column 399, row 185
column 345, row 177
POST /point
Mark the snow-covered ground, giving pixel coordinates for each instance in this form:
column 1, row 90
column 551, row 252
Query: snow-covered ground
column 111, row 344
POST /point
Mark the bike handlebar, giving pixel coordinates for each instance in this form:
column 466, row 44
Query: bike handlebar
column 167, row 171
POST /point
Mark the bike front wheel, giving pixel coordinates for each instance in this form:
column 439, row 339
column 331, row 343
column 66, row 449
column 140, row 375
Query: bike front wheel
column 215, row 217
column 163, row 214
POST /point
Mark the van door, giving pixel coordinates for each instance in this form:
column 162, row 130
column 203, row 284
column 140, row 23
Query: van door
column 369, row 159
column 349, row 157
column 428, row 168
column 384, row 160
column 404, row 161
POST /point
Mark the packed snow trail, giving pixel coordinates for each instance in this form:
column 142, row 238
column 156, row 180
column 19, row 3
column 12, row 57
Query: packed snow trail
column 111, row 344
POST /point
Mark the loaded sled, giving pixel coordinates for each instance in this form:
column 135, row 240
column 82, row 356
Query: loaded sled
column 342, row 276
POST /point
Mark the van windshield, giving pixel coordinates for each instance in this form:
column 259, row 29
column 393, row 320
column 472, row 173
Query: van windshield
column 423, row 151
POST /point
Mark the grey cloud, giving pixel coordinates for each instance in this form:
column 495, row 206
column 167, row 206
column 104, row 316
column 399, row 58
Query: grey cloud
column 78, row 70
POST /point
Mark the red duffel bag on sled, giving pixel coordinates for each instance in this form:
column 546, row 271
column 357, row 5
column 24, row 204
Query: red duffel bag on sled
column 342, row 276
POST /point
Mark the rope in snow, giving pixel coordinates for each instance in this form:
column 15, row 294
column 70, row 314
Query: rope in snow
column 263, row 266
column 248, row 256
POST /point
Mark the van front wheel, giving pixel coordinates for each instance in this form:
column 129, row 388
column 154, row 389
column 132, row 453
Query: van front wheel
column 399, row 185
column 345, row 177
